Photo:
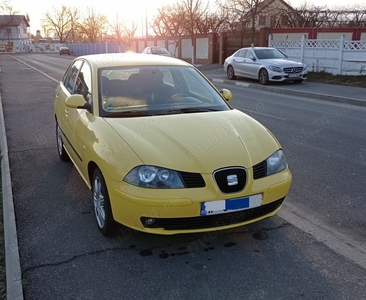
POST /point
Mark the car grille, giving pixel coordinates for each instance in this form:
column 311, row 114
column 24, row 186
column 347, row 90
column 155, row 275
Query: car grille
column 236, row 184
column 293, row 70
column 260, row 170
column 192, row 180
column 213, row 221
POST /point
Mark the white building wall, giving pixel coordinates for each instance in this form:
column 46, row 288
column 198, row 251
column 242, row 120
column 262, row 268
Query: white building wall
column 287, row 36
column 173, row 47
column 334, row 35
column 186, row 48
column 202, row 48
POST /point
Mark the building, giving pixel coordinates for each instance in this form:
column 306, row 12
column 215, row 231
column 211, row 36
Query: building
column 268, row 13
column 14, row 35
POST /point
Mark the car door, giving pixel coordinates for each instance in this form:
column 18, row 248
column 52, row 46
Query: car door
column 238, row 62
column 64, row 90
column 81, row 117
column 251, row 65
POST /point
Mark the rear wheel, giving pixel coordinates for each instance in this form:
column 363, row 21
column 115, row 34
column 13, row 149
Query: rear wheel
column 102, row 205
column 263, row 76
column 230, row 73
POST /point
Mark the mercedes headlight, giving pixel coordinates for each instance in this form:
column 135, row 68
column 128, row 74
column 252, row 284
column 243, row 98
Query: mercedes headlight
column 154, row 177
column 275, row 68
column 276, row 162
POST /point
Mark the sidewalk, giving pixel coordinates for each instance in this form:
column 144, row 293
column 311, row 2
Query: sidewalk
column 322, row 91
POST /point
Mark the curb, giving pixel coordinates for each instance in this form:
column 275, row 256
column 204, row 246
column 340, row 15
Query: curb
column 278, row 90
column 14, row 289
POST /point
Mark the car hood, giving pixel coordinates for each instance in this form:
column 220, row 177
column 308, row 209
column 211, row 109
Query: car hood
column 199, row 142
column 282, row 62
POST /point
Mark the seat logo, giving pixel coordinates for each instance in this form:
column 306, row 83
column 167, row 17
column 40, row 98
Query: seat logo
column 232, row 180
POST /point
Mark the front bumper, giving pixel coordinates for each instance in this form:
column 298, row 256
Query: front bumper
column 277, row 76
column 175, row 211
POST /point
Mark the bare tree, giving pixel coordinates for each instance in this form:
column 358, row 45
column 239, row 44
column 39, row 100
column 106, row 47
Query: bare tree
column 7, row 8
column 93, row 27
column 169, row 21
column 244, row 13
column 123, row 34
column 188, row 17
column 61, row 21
column 321, row 16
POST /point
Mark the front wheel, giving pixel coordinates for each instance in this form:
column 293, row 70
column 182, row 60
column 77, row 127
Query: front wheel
column 263, row 76
column 102, row 205
column 230, row 73
column 60, row 144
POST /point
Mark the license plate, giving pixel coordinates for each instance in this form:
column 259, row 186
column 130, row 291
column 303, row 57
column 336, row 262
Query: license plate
column 230, row 205
column 294, row 75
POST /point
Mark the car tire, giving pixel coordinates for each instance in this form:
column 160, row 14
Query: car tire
column 230, row 73
column 60, row 144
column 102, row 206
column 263, row 76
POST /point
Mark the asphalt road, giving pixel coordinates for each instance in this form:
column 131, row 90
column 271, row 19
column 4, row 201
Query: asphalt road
column 63, row 256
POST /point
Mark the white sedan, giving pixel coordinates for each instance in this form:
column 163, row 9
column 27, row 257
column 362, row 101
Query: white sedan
column 265, row 64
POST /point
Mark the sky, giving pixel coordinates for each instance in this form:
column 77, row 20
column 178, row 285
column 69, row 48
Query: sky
column 137, row 10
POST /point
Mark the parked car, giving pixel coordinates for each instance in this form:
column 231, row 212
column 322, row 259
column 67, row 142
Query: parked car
column 162, row 150
column 64, row 50
column 157, row 51
column 265, row 64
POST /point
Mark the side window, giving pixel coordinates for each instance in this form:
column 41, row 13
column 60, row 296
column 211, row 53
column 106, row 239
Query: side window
column 242, row 53
column 83, row 82
column 249, row 54
column 70, row 77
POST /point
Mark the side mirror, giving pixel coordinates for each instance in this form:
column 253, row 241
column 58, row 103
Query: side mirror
column 252, row 58
column 77, row 101
column 227, row 94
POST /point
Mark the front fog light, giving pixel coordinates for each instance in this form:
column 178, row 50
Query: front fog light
column 149, row 222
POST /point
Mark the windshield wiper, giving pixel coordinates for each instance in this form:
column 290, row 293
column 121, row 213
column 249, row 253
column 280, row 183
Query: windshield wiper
column 187, row 110
column 129, row 114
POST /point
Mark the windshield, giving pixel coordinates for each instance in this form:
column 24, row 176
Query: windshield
column 151, row 90
column 159, row 51
column 268, row 54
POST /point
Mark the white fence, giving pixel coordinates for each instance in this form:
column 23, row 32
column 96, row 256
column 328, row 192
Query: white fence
column 339, row 57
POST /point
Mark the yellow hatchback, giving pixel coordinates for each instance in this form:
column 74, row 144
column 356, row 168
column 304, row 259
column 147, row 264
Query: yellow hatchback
column 161, row 149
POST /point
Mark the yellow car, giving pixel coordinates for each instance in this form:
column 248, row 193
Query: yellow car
column 161, row 149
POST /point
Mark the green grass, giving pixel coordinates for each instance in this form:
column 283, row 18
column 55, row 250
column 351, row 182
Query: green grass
column 323, row 77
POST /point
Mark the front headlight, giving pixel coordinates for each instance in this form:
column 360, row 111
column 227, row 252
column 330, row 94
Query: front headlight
column 275, row 68
column 276, row 162
column 154, row 177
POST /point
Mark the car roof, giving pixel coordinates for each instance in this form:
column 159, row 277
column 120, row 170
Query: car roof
column 160, row 47
column 257, row 48
column 131, row 59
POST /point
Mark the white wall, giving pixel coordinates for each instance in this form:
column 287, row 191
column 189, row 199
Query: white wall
column 337, row 56
column 202, row 48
